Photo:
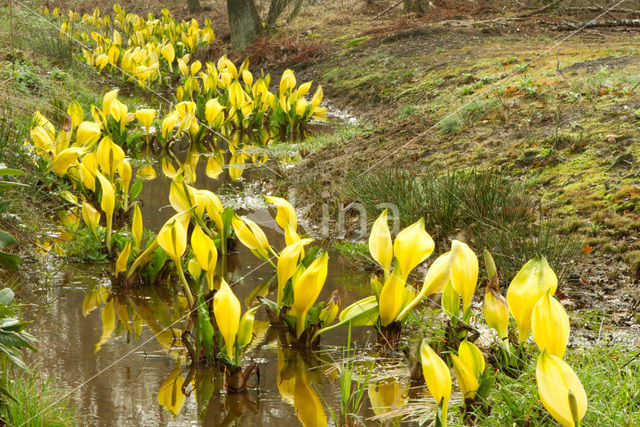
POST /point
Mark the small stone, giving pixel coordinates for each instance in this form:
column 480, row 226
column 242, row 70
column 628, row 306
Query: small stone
column 611, row 139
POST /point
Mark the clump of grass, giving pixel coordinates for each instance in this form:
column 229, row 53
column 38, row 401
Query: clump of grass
column 408, row 110
column 610, row 402
column 480, row 207
column 36, row 403
column 353, row 386
column 469, row 113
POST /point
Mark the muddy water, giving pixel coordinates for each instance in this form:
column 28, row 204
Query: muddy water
column 138, row 364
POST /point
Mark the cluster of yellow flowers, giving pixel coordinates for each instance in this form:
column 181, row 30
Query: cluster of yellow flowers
column 162, row 51
column 531, row 303
column 145, row 50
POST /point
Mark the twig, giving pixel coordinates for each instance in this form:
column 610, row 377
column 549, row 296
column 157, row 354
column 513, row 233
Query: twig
column 386, row 10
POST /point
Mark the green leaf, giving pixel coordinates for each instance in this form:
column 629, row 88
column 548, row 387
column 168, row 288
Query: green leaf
column 14, row 356
column 6, row 296
column 10, row 261
column 268, row 303
column 8, row 184
column 136, row 189
column 205, row 328
column 9, row 171
column 361, row 313
column 16, row 340
column 6, row 240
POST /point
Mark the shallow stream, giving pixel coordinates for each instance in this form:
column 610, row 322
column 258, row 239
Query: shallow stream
column 136, row 375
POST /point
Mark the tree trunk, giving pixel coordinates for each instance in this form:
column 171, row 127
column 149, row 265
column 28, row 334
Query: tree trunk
column 194, row 6
column 418, row 6
column 244, row 22
column 276, row 7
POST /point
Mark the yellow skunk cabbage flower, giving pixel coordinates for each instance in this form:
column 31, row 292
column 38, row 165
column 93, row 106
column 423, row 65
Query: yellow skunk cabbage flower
column 43, row 122
column 466, row 380
column 560, row 390
column 301, row 106
column 531, row 283
column 286, row 214
column 287, row 82
column 109, row 156
column 236, row 95
column 168, row 53
column 434, row 281
column 495, row 309
column 391, row 299
column 450, row 301
column 288, row 264
column 206, row 253
column 172, row 238
column 469, row 365
column 194, row 268
column 124, row 170
column 212, row 112
column 42, row 139
column 65, row 159
column 107, row 204
column 184, row 70
column 107, row 99
column 181, row 196
column 226, row 309
column 306, row 290
column 119, row 111
column 169, row 123
column 123, row 259
column 88, row 133
column 91, row 217
column 195, row 67
column 247, row 78
column 146, row 116
column 412, row 246
column 463, row 272
column 136, row 226
column 330, row 309
column 252, row 236
column 472, row 357
column 303, row 89
column 550, row 326
column 437, row 376
column 74, row 110
column 380, row 245
column 206, row 200
column 317, row 98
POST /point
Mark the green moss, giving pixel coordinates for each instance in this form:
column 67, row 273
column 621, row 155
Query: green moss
column 355, row 42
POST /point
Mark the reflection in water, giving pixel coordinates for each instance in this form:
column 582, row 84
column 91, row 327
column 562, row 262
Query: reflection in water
column 294, row 384
column 134, row 336
column 387, row 396
column 138, row 331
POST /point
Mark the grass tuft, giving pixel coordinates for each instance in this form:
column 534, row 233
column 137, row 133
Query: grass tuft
column 479, row 207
